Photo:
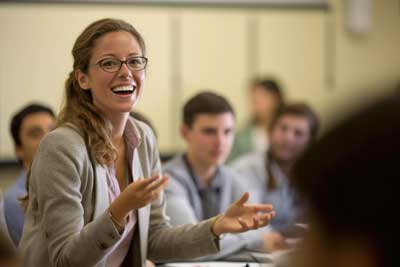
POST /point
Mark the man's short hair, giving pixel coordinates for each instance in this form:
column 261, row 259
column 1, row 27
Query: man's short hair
column 17, row 119
column 205, row 102
column 301, row 110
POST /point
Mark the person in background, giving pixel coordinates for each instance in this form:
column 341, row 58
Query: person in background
column 266, row 99
column 200, row 185
column 349, row 183
column 96, row 188
column 28, row 126
column 265, row 174
column 8, row 255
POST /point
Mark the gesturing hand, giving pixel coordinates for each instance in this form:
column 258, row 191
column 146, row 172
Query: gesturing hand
column 241, row 217
column 137, row 195
column 143, row 191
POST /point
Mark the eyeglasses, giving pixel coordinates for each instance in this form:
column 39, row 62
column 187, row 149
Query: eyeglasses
column 115, row 64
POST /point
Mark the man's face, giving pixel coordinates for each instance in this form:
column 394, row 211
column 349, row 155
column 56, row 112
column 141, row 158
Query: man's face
column 33, row 128
column 289, row 137
column 209, row 139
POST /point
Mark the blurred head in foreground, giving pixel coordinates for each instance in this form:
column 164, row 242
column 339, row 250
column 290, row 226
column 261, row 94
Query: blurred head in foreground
column 348, row 179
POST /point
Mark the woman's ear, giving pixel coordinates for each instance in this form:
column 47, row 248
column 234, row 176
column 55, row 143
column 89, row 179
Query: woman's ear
column 82, row 79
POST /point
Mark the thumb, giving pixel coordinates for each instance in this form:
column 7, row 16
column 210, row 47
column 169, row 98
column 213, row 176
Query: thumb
column 243, row 199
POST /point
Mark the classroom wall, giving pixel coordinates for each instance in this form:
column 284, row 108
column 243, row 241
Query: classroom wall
column 191, row 48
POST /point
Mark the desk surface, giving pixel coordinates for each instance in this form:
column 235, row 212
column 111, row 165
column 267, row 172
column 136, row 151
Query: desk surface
column 242, row 259
column 218, row 264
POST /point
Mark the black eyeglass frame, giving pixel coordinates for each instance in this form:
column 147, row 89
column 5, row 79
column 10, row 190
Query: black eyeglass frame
column 146, row 60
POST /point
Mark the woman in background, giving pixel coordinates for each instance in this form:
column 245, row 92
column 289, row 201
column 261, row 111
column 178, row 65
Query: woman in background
column 266, row 99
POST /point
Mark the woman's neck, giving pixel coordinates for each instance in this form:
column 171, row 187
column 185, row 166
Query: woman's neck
column 118, row 124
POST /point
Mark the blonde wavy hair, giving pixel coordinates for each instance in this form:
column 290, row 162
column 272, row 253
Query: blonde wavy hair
column 78, row 108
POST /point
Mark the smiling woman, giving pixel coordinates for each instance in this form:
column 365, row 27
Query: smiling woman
column 96, row 189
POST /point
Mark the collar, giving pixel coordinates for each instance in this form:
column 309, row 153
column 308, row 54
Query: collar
column 216, row 181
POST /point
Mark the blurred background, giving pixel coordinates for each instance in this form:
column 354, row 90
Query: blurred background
column 334, row 54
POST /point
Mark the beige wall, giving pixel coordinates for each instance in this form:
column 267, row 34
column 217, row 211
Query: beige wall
column 310, row 51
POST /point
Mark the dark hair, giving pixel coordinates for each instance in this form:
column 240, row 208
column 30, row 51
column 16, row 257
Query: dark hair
column 18, row 118
column 301, row 110
column 205, row 102
column 349, row 178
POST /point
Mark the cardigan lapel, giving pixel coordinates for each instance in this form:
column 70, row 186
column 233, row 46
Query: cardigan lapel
column 143, row 214
column 101, row 191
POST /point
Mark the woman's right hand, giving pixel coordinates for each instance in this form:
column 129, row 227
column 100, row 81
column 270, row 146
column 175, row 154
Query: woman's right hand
column 137, row 195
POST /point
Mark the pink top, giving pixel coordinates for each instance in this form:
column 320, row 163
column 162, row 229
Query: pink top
column 120, row 249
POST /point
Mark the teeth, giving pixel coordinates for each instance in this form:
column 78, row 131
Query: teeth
column 123, row 88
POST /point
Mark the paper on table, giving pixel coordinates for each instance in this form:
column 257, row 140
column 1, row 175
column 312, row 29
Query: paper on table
column 212, row 264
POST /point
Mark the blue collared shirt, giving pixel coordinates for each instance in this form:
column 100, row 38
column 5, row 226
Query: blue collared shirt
column 13, row 211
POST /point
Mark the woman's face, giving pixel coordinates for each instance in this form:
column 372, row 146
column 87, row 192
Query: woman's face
column 117, row 92
column 264, row 104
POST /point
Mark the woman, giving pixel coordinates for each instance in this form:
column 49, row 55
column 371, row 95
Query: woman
column 266, row 99
column 88, row 205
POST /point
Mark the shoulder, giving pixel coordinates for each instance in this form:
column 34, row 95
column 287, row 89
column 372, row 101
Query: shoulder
column 63, row 136
column 144, row 130
column 62, row 143
column 177, row 171
column 248, row 161
column 227, row 172
column 174, row 164
column 179, row 176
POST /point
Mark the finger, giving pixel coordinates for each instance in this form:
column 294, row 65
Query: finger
column 242, row 199
column 243, row 223
column 154, row 195
column 264, row 219
column 163, row 185
column 262, row 207
column 144, row 182
column 159, row 184
column 256, row 222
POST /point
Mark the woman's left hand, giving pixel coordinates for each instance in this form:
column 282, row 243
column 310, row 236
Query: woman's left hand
column 241, row 217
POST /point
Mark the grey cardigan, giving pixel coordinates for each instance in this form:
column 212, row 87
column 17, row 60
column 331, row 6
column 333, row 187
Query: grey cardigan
column 67, row 220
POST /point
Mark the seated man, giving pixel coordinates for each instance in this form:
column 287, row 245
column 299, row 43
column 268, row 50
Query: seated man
column 28, row 127
column 349, row 179
column 265, row 175
column 8, row 255
column 200, row 185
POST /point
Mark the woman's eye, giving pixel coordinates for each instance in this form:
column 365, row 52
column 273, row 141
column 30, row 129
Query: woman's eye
column 135, row 62
column 109, row 63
